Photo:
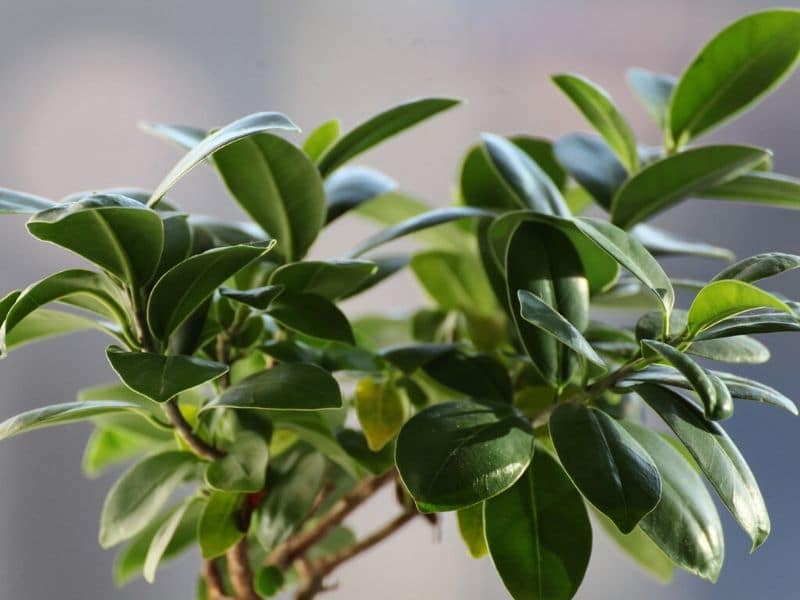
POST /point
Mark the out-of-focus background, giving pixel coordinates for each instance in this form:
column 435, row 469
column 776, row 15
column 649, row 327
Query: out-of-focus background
column 77, row 76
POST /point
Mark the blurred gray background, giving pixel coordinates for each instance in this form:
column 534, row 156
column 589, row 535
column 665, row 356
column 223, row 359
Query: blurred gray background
column 77, row 76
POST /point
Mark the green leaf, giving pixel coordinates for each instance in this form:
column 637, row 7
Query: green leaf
column 60, row 414
column 536, row 312
column 631, row 255
column 722, row 299
column 456, row 454
column 242, row 128
column 717, row 457
column 218, row 528
column 381, row 411
column 591, row 163
column 525, row 179
column 557, row 277
column 137, row 496
column 279, row 187
column 290, row 500
column 350, row 187
column 600, row 110
column 409, row 358
column 420, row 222
column 177, row 242
column 13, row 202
column 538, row 533
column 479, row 376
column 322, row 138
column 739, row 349
column 187, row 285
column 130, row 561
column 163, row 538
column 386, row 267
column 685, row 524
column 481, row 185
column 379, row 128
column 244, row 466
column 43, row 324
column 330, row 279
column 161, row 377
column 119, row 234
column 759, row 266
column 767, row 322
column 295, row 386
column 640, row 548
column 108, row 446
column 355, row 444
column 736, row 68
column 311, row 315
column 259, row 298
column 454, row 280
column 268, row 581
column 654, row 91
column 608, row 466
column 710, row 389
column 758, row 187
column 183, row 136
column 670, row 180
column 470, row 525
column 663, row 243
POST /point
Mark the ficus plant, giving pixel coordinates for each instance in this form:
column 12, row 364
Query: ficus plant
column 258, row 417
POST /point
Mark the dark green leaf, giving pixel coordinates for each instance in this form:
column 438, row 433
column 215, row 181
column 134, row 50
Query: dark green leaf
column 480, row 376
column 740, row 65
column 244, row 466
column 311, row 315
column 161, row 377
column 535, row 311
column 759, row 266
column 409, row 358
column 112, row 231
column 717, row 457
column 767, row 322
column 654, row 91
column 380, row 127
column 60, row 414
column 322, row 138
column 755, row 187
column 739, row 349
column 218, row 528
column 722, row 299
column 663, row 243
column 13, row 202
column 137, row 496
column 387, row 266
column 351, row 187
column 685, row 524
column 590, row 161
column 538, row 533
column 355, row 444
column 330, row 279
column 259, row 298
column 600, row 110
column 295, row 386
column 242, row 128
column 666, row 182
column 711, row 390
column 456, row 454
column 177, row 242
column 187, row 285
column 607, row 465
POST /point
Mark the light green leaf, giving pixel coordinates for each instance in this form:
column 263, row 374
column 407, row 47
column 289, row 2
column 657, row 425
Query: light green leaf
column 119, row 234
column 535, row 311
column 108, row 446
column 455, row 454
column 538, row 533
column 710, row 389
column 759, row 187
column 295, row 386
column 163, row 538
column 740, row 349
column 381, row 411
column 44, row 324
column 162, row 377
column 218, row 528
column 185, row 287
column 670, row 180
column 244, row 466
column 600, row 110
column 736, row 68
column 722, row 299
column 717, row 457
column 470, row 525
column 654, row 91
column 454, row 280
column 663, row 243
column 606, row 464
column 379, row 128
column 322, row 138
column 242, row 128
column 766, row 322
column 135, row 499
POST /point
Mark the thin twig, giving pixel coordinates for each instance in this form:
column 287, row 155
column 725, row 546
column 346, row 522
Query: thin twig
column 200, row 446
column 296, row 547
column 214, row 585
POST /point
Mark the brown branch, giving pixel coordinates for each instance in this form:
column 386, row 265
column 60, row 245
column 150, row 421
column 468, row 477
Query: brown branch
column 296, row 547
column 240, row 572
column 200, row 446
column 214, row 585
column 315, row 574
